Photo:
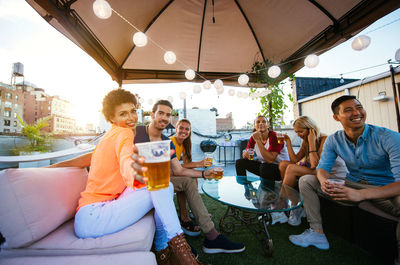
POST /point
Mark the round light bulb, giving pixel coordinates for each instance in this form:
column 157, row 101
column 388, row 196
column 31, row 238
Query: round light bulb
column 182, row 95
column 150, row 101
column 311, row 61
column 170, row 99
column 274, row 71
column 102, row 9
column 140, row 39
column 361, row 42
column 231, row 92
column 197, row 89
column 207, row 84
column 141, row 100
column 220, row 90
column 169, row 57
column 245, row 95
column 397, row 55
column 190, row 74
column 218, row 84
column 243, row 79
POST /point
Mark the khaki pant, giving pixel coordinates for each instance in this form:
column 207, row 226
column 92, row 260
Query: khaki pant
column 189, row 186
column 310, row 187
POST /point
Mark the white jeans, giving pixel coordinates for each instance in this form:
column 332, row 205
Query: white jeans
column 103, row 218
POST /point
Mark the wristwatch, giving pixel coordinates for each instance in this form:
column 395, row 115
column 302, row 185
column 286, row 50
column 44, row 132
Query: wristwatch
column 202, row 174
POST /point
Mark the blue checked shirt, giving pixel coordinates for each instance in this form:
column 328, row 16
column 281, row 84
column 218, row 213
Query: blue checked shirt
column 375, row 158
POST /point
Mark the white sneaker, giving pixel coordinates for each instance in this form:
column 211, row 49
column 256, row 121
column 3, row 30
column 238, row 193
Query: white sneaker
column 278, row 217
column 295, row 216
column 310, row 238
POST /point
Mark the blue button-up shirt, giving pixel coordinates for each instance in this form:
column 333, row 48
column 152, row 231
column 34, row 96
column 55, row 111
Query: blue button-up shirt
column 375, row 158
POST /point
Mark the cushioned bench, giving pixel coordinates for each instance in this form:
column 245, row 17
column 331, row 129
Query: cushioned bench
column 36, row 219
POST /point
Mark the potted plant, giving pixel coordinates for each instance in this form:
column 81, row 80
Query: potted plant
column 38, row 141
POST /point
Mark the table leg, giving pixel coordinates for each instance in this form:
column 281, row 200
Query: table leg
column 256, row 223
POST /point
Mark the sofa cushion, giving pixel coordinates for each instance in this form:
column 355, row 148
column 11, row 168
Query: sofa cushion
column 132, row 258
column 63, row 241
column 35, row 201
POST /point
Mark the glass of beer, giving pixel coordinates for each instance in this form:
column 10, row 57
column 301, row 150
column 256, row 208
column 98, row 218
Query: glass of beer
column 281, row 137
column 157, row 160
column 250, row 151
column 209, row 159
column 218, row 173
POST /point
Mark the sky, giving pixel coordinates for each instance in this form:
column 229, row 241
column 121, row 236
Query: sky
column 54, row 63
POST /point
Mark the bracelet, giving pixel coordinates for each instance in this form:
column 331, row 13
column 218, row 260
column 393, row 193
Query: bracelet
column 312, row 151
column 202, row 174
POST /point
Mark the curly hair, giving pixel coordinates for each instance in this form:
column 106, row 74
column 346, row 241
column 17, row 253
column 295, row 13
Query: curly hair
column 115, row 98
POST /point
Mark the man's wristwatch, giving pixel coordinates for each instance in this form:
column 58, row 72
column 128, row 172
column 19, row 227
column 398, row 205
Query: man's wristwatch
column 202, row 174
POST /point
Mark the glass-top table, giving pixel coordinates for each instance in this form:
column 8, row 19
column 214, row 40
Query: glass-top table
column 250, row 202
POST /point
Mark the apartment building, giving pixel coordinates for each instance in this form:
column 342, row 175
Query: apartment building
column 11, row 105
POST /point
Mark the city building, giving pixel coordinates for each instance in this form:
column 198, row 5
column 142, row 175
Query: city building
column 225, row 124
column 11, row 106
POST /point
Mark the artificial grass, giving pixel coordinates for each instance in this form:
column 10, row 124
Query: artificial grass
column 340, row 252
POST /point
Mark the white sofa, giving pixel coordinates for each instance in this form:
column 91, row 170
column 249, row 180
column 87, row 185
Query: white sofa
column 37, row 206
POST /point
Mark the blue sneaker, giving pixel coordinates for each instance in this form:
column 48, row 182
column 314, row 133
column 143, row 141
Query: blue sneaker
column 310, row 238
column 222, row 245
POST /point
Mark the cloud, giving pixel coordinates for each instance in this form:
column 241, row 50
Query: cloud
column 14, row 10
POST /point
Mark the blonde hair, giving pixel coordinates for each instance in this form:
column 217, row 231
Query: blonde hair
column 305, row 122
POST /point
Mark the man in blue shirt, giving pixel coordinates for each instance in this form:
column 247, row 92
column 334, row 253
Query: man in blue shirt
column 183, row 180
column 372, row 157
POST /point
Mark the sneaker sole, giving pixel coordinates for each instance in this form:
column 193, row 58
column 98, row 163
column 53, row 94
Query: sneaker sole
column 220, row 250
column 190, row 233
column 322, row 247
column 295, row 224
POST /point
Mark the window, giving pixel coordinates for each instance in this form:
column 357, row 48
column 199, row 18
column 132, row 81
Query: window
column 6, row 130
column 7, row 122
column 16, row 105
column 7, row 113
column 8, row 95
column 15, row 123
column 16, row 97
column 15, row 114
column 8, row 104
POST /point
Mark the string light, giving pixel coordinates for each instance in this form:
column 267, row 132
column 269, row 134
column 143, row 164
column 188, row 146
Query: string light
column 207, row 84
column 397, row 55
column 197, row 89
column 102, row 9
column 140, row 39
column 361, row 43
column 169, row 57
column 170, row 99
column 243, row 79
column 218, row 84
column 231, row 92
column 190, row 74
column 311, row 61
column 274, row 71
column 182, row 95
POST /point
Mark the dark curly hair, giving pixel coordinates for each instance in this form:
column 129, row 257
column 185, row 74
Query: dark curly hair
column 115, row 98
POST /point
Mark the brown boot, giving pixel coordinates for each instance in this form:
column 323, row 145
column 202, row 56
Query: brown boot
column 166, row 257
column 182, row 251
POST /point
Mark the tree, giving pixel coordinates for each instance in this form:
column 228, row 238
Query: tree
column 38, row 141
column 273, row 97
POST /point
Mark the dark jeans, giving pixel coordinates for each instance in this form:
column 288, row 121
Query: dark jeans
column 264, row 170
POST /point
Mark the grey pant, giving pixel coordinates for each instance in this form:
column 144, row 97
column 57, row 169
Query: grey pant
column 189, row 187
column 309, row 187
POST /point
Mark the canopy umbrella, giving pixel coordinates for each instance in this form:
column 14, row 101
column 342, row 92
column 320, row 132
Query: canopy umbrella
column 219, row 39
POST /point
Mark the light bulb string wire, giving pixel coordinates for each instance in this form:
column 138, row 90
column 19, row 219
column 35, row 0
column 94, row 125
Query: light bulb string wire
column 263, row 69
